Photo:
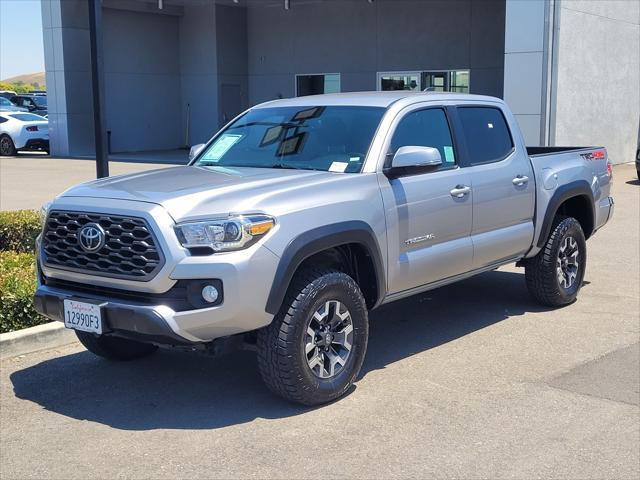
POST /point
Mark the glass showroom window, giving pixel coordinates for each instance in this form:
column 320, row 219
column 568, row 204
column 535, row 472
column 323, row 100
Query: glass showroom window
column 317, row 83
column 432, row 81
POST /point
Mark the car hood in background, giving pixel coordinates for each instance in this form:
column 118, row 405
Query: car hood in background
column 189, row 192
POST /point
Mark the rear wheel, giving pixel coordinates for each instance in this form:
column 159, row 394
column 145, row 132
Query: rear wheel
column 554, row 276
column 313, row 350
column 115, row 348
column 7, row 147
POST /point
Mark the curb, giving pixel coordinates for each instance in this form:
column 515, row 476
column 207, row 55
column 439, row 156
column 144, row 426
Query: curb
column 40, row 337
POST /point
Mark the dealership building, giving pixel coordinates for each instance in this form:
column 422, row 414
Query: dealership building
column 177, row 70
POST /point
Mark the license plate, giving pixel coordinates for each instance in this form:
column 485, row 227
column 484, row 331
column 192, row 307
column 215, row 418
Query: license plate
column 82, row 316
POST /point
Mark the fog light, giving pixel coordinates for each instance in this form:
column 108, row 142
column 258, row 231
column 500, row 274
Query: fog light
column 210, row 294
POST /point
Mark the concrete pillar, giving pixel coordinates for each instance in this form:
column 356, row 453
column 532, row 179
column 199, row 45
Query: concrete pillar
column 67, row 63
column 524, row 64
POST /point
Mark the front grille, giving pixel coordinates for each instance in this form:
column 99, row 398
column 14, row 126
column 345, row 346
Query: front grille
column 129, row 250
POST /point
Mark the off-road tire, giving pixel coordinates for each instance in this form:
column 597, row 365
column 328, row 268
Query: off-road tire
column 541, row 270
column 115, row 348
column 7, row 147
column 281, row 349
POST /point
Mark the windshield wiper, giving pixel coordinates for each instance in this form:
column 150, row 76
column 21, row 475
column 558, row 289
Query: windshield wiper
column 284, row 166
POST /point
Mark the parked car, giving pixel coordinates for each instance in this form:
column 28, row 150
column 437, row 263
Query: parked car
column 36, row 104
column 23, row 131
column 7, row 106
column 302, row 215
column 7, row 94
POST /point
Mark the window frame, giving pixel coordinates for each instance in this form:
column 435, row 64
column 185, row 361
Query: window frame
column 448, row 111
column 466, row 159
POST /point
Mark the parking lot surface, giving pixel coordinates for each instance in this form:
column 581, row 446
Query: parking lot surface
column 28, row 181
column 472, row 380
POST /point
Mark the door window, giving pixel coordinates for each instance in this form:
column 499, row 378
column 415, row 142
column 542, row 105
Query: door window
column 486, row 133
column 426, row 128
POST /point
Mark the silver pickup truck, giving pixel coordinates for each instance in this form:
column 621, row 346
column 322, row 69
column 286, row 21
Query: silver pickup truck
column 301, row 215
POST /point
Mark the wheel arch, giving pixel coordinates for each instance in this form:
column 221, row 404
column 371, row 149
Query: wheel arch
column 349, row 246
column 574, row 199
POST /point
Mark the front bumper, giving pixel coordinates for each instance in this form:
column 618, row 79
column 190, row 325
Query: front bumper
column 138, row 322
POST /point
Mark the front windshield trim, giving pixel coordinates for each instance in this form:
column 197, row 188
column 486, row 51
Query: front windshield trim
column 279, row 158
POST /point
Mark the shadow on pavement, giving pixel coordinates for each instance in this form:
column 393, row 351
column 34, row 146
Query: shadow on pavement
column 177, row 390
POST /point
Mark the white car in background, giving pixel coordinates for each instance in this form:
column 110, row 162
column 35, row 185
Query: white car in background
column 23, row 131
column 8, row 106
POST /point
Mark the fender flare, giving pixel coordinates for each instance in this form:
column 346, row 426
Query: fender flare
column 563, row 193
column 314, row 241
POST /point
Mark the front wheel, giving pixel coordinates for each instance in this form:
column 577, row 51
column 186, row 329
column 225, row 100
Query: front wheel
column 115, row 348
column 554, row 276
column 313, row 350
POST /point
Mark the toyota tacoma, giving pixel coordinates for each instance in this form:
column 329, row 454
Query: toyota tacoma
column 302, row 215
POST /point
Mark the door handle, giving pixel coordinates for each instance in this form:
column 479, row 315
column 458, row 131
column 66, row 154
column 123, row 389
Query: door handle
column 520, row 180
column 460, row 191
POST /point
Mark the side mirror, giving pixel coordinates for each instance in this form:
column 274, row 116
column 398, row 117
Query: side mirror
column 411, row 159
column 195, row 150
column 31, row 108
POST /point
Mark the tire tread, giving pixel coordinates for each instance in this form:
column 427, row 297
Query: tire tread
column 275, row 342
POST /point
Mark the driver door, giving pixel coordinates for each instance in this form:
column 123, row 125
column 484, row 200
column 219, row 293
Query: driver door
column 429, row 213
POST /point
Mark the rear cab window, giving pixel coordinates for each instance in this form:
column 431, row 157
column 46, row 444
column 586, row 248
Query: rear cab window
column 486, row 133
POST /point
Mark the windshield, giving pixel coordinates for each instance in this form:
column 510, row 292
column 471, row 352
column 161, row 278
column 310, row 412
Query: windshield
column 331, row 138
column 41, row 101
column 5, row 103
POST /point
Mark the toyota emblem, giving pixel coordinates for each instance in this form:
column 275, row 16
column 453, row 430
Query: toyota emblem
column 91, row 237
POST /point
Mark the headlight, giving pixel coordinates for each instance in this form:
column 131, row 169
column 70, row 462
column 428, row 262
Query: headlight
column 44, row 211
column 232, row 233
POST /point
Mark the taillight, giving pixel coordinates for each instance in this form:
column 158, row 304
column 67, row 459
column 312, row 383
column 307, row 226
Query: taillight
column 609, row 169
column 32, row 128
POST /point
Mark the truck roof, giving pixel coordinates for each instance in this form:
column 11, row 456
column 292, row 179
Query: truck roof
column 372, row 99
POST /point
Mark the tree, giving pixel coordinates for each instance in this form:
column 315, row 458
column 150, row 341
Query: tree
column 19, row 87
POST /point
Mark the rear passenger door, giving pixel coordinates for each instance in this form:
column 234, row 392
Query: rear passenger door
column 428, row 218
column 503, row 186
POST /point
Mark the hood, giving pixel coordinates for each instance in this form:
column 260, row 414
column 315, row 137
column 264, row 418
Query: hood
column 190, row 192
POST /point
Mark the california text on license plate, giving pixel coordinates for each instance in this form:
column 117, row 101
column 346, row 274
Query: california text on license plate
column 82, row 316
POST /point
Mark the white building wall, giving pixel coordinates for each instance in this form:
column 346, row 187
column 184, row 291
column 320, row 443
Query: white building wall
column 66, row 56
column 598, row 76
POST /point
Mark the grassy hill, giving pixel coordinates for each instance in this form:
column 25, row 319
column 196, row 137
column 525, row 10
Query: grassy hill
column 37, row 78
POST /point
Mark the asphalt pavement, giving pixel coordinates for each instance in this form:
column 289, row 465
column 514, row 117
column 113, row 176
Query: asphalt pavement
column 472, row 380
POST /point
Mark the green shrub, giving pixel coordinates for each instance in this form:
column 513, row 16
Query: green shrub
column 17, row 285
column 18, row 230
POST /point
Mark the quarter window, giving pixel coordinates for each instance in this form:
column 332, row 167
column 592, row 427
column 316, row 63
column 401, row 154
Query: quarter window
column 426, row 128
column 486, row 133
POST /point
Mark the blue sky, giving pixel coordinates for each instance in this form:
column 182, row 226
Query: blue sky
column 21, row 49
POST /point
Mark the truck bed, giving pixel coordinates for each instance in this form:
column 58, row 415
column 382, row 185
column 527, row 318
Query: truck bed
column 540, row 151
